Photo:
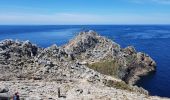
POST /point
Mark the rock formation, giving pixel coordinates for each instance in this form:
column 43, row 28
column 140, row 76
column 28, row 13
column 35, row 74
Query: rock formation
column 88, row 59
column 128, row 64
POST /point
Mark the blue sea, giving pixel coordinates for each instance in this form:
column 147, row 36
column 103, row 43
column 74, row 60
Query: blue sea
column 151, row 39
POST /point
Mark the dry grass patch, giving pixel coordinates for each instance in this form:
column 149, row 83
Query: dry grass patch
column 107, row 67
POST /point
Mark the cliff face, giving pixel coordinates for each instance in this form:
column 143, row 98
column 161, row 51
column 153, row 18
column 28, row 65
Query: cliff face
column 88, row 56
column 127, row 64
column 26, row 60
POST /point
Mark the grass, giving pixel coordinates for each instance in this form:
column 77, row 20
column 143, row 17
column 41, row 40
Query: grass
column 119, row 85
column 110, row 67
column 107, row 67
column 123, row 86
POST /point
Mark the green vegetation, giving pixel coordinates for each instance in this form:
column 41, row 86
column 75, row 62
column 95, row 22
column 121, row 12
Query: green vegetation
column 107, row 67
column 119, row 85
column 110, row 67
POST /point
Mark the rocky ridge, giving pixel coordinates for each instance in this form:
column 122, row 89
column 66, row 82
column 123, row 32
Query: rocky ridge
column 89, row 48
column 74, row 63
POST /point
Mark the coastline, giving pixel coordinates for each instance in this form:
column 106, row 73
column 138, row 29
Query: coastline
column 72, row 54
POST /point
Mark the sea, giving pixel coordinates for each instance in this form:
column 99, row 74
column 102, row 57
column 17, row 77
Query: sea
column 151, row 39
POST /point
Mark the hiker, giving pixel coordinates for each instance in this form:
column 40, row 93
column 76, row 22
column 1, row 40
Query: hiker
column 16, row 96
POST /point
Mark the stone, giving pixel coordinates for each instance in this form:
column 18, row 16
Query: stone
column 3, row 89
column 24, row 63
column 5, row 96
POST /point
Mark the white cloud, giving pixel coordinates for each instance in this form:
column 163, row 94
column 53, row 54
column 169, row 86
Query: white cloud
column 78, row 18
column 59, row 18
column 152, row 1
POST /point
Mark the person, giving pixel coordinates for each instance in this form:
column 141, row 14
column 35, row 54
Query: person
column 16, row 96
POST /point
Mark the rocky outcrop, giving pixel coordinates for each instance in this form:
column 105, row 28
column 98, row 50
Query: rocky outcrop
column 88, row 57
column 89, row 48
column 92, row 47
column 16, row 59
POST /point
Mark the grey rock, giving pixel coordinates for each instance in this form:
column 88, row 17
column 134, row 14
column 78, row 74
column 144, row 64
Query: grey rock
column 25, row 61
column 3, row 89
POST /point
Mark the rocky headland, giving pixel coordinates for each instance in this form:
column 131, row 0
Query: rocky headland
column 89, row 67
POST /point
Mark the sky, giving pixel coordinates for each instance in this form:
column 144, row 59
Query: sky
column 84, row 12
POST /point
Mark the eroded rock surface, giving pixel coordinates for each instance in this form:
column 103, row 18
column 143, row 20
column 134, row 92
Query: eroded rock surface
column 89, row 48
column 80, row 59
column 77, row 90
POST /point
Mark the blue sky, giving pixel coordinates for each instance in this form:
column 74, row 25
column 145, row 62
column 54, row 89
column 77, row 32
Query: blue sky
column 84, row 11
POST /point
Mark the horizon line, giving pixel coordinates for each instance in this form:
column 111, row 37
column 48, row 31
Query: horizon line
column 71, row 24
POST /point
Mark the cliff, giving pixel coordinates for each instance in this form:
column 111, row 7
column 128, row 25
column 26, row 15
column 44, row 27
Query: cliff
column 89, row 65
column 98, row 52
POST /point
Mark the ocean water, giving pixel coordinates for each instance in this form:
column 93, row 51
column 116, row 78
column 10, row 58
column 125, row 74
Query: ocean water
column 151, row 39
